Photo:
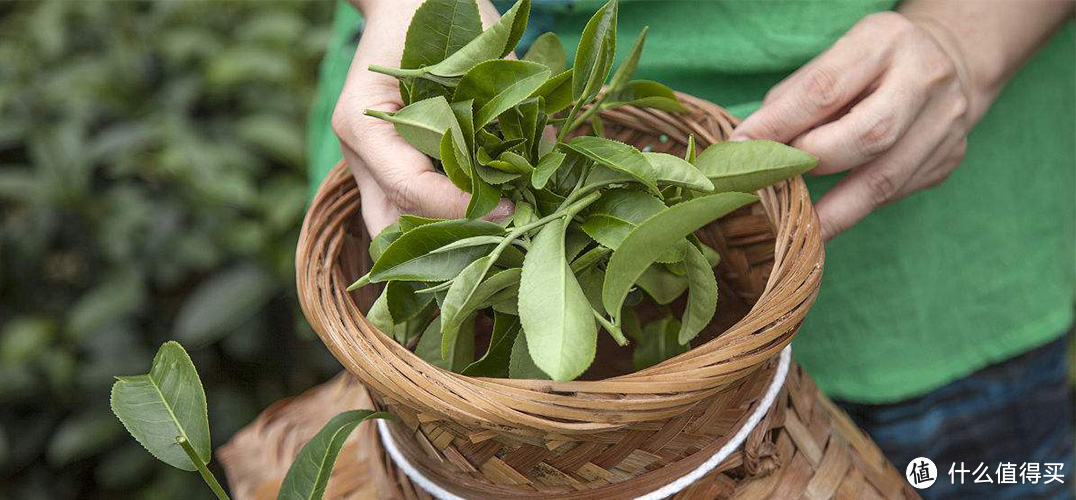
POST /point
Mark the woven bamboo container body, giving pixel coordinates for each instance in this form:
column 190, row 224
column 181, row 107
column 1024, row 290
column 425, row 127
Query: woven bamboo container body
column 808, row 449
column 612, row 434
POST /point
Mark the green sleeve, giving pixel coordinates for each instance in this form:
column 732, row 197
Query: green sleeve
column 323, row 150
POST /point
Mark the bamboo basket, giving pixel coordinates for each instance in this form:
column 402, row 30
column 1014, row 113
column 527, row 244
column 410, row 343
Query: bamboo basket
column 808, row 448
column 612, row 434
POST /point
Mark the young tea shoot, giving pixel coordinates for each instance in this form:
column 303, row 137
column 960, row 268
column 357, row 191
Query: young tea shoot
column 165, row 411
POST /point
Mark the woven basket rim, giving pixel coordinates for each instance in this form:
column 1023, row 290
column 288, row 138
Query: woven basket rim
column 538, row 407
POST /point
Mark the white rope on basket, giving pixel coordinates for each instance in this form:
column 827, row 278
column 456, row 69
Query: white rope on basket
column 665, row 491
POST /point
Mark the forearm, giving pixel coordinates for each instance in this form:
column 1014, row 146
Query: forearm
column 993, row 38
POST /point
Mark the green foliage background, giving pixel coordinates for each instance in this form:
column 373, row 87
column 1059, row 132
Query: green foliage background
column 151, row 187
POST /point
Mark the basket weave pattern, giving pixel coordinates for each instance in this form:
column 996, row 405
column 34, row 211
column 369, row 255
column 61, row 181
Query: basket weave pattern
column 815, row 452
column 608, row 438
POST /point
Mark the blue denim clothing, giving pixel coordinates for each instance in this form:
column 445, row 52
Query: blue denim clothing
column 1017, row 411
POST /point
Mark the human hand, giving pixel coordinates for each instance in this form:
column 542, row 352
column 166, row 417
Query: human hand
column 889, row 101
column 392, row 176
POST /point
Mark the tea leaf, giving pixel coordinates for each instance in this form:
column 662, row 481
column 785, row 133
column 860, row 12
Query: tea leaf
column 497, row 85
column 421, row 123
column 516, row 163
column 548, row 51
column 410, row 258
column 483, row 195
column 464, row 112
column 701, row 297
column 438, row 29
column 593, row 56
column 627, row 68
column 380, row 316
column 520, row 364
column 690, row 156
column 496, row 42
column 408, row 222
column 672, row 170
column 166, row 403
column 662, row 286
column 617, row 156
column 557, row 319
column 402, row 301
column 456, row 162
column 473, row 241
column 617, row 212
column 459, row 294
column 383, row 239
column 496, row 361
column 309, row 473
column 460, row 354
column 645, row 94
column 546, row 167
column 557, row 92
column 752, row 165
column 590, row 280
column 655, row 342
column 656, row 235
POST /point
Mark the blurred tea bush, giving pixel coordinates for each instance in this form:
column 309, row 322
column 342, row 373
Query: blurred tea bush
column 151, row 187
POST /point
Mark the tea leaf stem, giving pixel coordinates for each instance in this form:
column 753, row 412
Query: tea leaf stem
column 207, row 475
column 396, row 72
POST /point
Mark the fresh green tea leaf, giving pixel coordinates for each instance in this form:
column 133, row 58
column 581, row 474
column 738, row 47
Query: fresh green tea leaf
column 438, row 29
column 410, row 258
column 548, row 51
column 408, row 222
column 520, row 364
column 674, row 171
column 496, row 361
column 459, row 294
column 662, row 286
column 593, row 56
column 494, row 43
column 656, row 342
column 402, row 301
column 690, row 155
column 515, row 163
column 617, row 213
column 546, row 167
column 752, row 165
column 166, row 403
column 645, row 94
column 656, row 235
column 383, row 239
column 421, row 123
column 617, row 156
column 557, row 319
column 497, row 85
column 627, row 68
column 456, row 162
column 309, row 473
column 701, row 297
column 459, row 356
column 556, row 92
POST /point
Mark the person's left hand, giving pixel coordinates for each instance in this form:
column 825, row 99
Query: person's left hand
column 887, row 101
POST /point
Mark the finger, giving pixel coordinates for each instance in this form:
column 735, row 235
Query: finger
column 816, row 91
column 885, row 179
column 404, row 174
column 378, row 212
column 871, row 127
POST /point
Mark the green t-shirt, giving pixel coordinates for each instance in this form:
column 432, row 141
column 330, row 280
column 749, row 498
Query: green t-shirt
column 923, row 291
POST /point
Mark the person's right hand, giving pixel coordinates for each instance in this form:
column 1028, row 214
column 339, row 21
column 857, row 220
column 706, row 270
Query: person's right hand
column 393, row 177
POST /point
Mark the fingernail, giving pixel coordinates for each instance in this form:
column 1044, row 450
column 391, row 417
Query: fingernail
column 503, row 209
column 738, row 137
